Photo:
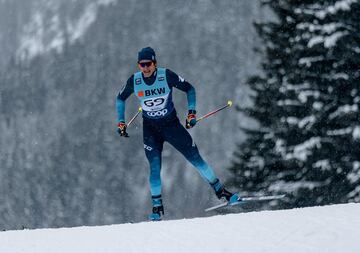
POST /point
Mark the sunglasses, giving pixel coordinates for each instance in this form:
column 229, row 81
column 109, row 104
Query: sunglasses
column 145, row 64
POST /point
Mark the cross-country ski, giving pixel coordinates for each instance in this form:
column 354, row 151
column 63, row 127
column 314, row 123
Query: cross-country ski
column 242, row 200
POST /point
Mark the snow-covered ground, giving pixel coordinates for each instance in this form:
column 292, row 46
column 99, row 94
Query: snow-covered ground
column 318, row 229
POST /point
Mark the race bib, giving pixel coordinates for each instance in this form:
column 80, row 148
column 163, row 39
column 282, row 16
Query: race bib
column 154, row 104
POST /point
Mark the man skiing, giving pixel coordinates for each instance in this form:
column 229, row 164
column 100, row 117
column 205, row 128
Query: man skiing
column 153, row 87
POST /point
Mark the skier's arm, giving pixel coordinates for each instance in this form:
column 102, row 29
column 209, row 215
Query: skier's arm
column 177, row 81
column 125, row 92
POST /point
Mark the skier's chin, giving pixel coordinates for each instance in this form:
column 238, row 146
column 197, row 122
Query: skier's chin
column 147, row 73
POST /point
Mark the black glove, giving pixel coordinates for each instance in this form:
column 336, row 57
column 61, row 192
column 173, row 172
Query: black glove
column 122, row 129
column 190, row 119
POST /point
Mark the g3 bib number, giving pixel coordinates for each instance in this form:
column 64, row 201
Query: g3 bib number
column 154, row 104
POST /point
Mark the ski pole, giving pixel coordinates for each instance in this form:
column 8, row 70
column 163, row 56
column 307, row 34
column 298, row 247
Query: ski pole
column 229, row 103
column 134, row 117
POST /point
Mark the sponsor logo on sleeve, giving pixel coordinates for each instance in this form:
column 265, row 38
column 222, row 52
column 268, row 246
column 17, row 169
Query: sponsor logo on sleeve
column 147, row 147
column 122, row 89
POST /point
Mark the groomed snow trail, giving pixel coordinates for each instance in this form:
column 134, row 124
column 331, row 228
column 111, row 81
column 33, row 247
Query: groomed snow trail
column 327, row 229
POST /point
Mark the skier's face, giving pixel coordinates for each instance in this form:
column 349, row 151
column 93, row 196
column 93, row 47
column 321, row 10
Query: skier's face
column 147, row 67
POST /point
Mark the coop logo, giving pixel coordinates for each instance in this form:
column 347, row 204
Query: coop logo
column 161, row 78
column 158, row 113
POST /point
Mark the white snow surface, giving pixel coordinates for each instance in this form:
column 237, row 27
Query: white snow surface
column 329, row 229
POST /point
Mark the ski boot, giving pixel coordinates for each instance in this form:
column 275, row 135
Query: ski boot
column 222, row 193
column 158, row 209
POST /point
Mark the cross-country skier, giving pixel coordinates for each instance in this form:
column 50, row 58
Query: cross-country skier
column 153, row 86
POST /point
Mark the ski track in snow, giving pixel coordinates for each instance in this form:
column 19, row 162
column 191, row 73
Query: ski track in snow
column 327, row 229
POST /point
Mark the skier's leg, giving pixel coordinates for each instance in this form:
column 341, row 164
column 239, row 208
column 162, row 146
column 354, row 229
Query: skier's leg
column 178, row 137
column 154, row 158
column 153, row 145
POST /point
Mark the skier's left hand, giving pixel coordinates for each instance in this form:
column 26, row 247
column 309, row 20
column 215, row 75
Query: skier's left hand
column 190, row 119
column 122, row 129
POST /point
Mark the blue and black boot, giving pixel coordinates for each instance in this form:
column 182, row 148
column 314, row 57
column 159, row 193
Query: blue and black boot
column 222, row 193
column 158, row 208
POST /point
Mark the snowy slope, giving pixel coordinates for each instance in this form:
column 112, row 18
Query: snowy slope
column 318, row 229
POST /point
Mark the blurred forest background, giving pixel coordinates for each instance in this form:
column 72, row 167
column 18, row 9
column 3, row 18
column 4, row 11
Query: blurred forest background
column 62, row 65
column 290, row 66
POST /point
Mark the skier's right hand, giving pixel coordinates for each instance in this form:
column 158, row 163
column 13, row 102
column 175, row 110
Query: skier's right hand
column 122, row 129
column 190, row 119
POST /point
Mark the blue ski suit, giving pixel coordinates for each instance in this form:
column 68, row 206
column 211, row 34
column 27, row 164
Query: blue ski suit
column 160, row 121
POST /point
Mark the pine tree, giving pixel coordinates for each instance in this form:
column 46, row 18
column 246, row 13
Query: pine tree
column 306, row 104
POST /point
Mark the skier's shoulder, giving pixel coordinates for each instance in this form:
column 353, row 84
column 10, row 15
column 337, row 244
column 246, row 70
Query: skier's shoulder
column 170, row 73
column 173, row 77
column 129, row 81
column 127, row 89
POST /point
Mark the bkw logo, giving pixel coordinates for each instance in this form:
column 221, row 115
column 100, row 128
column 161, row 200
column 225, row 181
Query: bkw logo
column 152, row 92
